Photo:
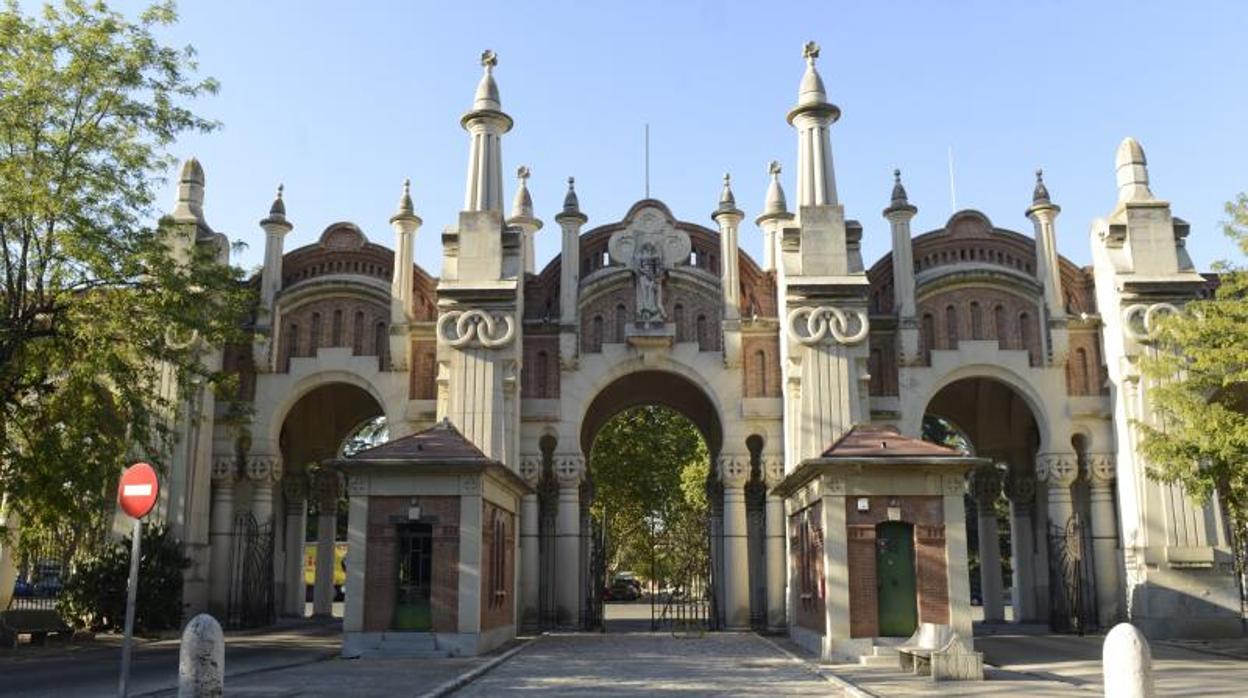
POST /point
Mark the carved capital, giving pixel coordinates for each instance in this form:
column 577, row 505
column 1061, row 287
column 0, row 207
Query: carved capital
column 827, row 323
column 986, row 485
column 1020, row 486
column 773, row 470
column 531, row 469
column 569, row 470
column 1057, row 469
column 326, row 488
column 1102, row 469
column 264, row 470
column 224, row 471
column 476, row 327
column 733, row 470
column 295, row 487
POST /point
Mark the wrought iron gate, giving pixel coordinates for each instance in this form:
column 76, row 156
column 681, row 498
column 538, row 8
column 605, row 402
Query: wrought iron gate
column 684, row 603
column 595, row 608
column 1072, row 608
column 250, row 602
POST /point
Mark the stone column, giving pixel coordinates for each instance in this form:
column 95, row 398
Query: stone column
column 224, row 475
column 1059, row 471
column 773, row 473
column 986, row 486
column 1101, row 475
column 295, row 491
column 569, row 471
column 530, row 570
column 325, row 492
column 1020, row 488
column 733, row 471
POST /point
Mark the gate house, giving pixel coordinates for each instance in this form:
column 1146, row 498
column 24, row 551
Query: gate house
column 877, row 541
column 432, row 529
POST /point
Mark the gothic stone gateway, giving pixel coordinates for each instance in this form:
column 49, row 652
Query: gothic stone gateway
column 1034, row 359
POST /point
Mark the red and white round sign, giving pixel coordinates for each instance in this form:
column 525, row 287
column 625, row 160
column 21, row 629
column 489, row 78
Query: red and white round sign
column 138, row 490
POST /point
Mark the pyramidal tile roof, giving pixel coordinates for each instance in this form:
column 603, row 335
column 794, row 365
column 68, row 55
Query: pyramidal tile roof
column 880, row 441
column 441, row 442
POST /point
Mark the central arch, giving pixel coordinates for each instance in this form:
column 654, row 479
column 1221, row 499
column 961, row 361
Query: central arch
column 654, row 387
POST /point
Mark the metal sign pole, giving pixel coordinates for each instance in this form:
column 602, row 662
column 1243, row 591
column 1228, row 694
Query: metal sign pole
column 131, row 590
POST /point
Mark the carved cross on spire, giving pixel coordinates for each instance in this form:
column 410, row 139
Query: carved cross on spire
column 773, row 168
column 810, row 51
column 489, row 59
column 523, row 173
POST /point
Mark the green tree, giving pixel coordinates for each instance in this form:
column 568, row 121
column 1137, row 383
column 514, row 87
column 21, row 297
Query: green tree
column 97, row 303
column 649, row 467
column 1197, row 373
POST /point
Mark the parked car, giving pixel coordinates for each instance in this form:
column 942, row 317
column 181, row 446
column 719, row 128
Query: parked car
column 622, row 590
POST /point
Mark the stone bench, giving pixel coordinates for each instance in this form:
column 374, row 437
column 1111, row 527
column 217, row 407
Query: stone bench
column 937, row 651
column 38, row 623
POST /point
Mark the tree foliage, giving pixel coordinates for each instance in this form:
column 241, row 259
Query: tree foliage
column 96, row 300
column 650, row 467
column 1197, row 376
column 94, row 596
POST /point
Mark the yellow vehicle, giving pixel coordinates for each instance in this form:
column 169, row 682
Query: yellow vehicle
column 340, row 565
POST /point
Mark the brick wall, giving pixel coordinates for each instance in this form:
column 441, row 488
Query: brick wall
column 760, row 356
column 540, row 377
column 498, row 564
column 334, row 322
column 423, row 372
column 381, row 563
column 806, row 563
column 926, row 514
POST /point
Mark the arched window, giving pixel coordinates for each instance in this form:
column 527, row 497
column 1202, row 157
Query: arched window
column 875, row 366
column 1001, row 328
column 951, row 326
column 703, row 339
column 621, row 317
column 541, row 373
column 1024, row 334
column 357, row 334
column 678, row 316
column 760, row 373
column 693, row 258
column 314, row 337
column 1082, row 384
column 292, row 342
column 336, row 329
column 977, row 321
column 595, row 334
column 927, row 336
column 380, row 344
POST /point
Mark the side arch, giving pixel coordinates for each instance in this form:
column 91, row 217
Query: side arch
column 913, row 421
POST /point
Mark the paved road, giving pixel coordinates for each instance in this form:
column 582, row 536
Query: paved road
column 646, row 664
column 91, row 669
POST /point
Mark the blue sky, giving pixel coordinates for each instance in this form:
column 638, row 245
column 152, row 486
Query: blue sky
column 341, row 101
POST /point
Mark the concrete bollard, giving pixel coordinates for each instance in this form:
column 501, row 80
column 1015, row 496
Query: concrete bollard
column 1127, row 663
column 201, row 662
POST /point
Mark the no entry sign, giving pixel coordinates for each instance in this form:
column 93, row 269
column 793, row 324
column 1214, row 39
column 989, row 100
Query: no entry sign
column 138, row 490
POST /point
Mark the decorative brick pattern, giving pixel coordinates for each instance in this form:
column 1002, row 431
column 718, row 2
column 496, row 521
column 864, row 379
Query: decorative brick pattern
column 1084, row 373
column 381, row 560
column 931, row 571
column 882, row 363
column 806, row 565
column 540, row 377
column 344, row 321
column 863, row 595
column 947, row 317
column 423, row 373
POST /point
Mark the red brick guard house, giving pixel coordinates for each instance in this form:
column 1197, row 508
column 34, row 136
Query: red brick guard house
column 877, row 541
column 432, row 554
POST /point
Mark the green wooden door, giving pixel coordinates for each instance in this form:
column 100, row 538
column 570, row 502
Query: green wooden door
column 894, row 566
column 412, row 607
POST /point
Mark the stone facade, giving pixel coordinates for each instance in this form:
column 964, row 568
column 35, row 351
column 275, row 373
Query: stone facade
column 1028, row 356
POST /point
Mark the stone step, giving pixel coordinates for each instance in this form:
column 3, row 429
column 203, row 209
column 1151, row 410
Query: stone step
column 878, row 660
column 884, row 651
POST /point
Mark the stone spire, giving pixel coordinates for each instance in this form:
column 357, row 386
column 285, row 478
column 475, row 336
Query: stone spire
column 277, row 212
column 406, row 211
column 816, row 181
column 190, row 204
column 1132, row 172
column 485, row 124
column 775, row 203
column 727, row 202
column 1040, row 196
column 522, row 217
column 571, row 205
column 899, row 201
column 1043, row 214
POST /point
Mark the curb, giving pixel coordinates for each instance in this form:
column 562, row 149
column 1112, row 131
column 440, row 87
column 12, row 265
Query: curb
column 172, row 690
column 448, row 687
column 841, row 683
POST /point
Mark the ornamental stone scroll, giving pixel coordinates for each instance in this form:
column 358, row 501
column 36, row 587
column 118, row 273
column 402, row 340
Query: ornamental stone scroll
column 1057, row 469
column 488, row 329
column 815, row 325
column 1139, row 321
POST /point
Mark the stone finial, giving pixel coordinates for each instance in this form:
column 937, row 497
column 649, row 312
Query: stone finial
column 279, row 207
column 775, row 205
column 810, row 51
column 277, row 213
column 487, row 89
column 1132, row 172
column 522, row 205
column 406, row 211
column 1041, row 194
column 727, row 202
column 811, row 92
column 190, row 204
column 570, row 203
column 900, row 201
